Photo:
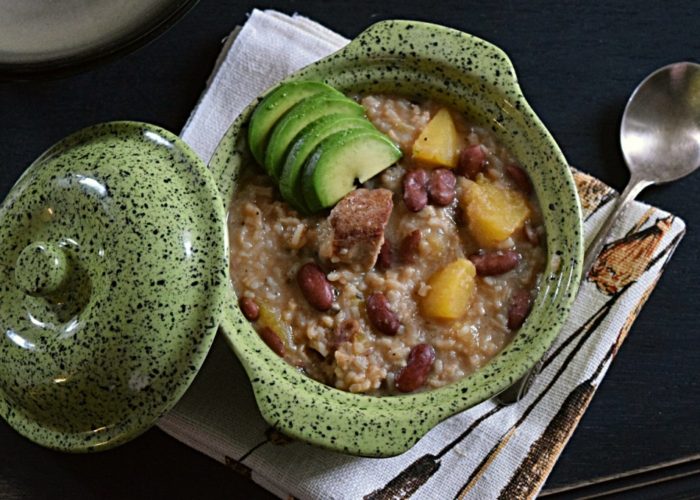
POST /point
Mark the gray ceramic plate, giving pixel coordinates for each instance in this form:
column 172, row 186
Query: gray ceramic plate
column 46, row 37
column 421, row 61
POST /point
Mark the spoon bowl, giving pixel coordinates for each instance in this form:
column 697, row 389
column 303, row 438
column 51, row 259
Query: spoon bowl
column 659, row 137
column 660, row 130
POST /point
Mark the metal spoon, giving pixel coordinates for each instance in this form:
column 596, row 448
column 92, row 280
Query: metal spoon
column 660, row 140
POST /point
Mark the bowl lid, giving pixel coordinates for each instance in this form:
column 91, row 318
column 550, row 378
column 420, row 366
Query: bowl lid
column 113, row 265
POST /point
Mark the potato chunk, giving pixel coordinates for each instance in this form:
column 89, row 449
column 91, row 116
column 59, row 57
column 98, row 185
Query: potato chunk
column 493, row 213
column 438, row 142
column 269, row 320
column 451, row 291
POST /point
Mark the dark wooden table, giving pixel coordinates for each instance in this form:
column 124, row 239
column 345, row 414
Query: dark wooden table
column 577, row 63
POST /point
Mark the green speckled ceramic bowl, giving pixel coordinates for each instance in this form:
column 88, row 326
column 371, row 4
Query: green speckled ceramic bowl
column 422, row 61
column 112, row 282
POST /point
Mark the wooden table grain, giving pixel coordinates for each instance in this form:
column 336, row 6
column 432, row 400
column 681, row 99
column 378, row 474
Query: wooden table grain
column 577, row 62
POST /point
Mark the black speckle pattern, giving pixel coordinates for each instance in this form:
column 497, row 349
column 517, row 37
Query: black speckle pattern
column 421, row 61
column 93, row 358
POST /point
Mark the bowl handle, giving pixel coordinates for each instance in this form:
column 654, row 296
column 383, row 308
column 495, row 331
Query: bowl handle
column 438, row 44
column 305, row 409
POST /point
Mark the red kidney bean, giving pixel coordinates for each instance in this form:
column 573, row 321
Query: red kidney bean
column 441, row 188
column 249, row 308
column 494, row 263
column 520, row 178
column 519, row 308
column 385, row 256
column 472, row 160
column 315, row 286
column 415, row 190
column 380, row 314
column 418, row 366
column 272, row 340
column 409, row 247
column 344, row 332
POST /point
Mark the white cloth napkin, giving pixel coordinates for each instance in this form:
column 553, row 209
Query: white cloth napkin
column 486, row 452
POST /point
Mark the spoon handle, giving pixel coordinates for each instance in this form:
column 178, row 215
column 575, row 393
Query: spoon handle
column 633, row 188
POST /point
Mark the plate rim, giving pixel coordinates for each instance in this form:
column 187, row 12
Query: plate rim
column 52, row 68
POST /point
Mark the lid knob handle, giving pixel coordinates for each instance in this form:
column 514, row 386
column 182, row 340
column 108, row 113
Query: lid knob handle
column 42, row 268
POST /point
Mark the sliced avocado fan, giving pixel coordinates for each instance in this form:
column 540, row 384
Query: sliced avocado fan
column 273, row 106
column 299, row 116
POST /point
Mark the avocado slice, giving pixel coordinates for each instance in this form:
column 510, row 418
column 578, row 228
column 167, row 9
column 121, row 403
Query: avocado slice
column 303, row 146
column 273, row 106
column 298, row 117
column 339, row 160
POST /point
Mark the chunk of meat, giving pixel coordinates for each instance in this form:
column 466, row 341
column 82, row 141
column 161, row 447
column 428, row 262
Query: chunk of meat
column 354, row 232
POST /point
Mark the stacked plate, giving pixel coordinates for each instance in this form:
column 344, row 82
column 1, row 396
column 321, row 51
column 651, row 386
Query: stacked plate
column 51, row 37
